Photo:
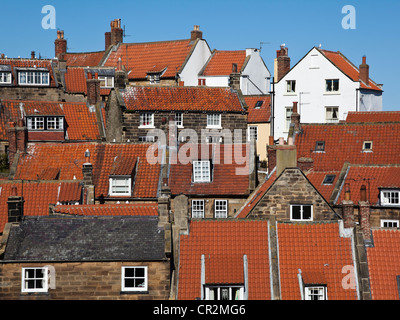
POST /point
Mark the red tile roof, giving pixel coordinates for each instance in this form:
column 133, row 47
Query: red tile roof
column 384, row 264
column 373, row 116
column 344, row 142
column 259, row 114
column 69, row 158
column 29, row 63
column 223, row 243
column 373, row 178
column 140, row 58
column 37, row 196
column 227, row 178
column 340, row 61
column 134, row 209
column 320, row 252
column 182, row 99
column 220, row 63
column 81, row 122
column 76, row 81
column 83, row 59
column 317, row 179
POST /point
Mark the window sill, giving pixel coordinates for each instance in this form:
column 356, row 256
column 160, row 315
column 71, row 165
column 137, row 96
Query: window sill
column 146, row 127
column 134, row 292
column 213, row 127
column 290, row 94
column 334, row 93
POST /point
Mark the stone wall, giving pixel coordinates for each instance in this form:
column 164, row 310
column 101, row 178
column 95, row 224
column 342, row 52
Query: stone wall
column 292, row 187
column 86, row 281
column 39, row 94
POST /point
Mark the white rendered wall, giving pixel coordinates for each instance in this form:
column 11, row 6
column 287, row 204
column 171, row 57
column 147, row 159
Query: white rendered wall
column 258, row 80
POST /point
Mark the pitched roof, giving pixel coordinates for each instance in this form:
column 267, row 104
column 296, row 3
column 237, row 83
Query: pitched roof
column 341, row 62
column 37, row 196
column 181, row 99
column 115, row 209
column 259, row 108
column 83, row 59
column 29, row 63
column 320, row 252
column 384, row 264
column 69, row 158
column 140, row 58
column 76, row 81
column 68, row 238
column 220, row 63
column 81, row 121
column 373, row 116
column 344, row 143
column 223, row 243
column 317, row 179
column 228, row 177
column 373, row 178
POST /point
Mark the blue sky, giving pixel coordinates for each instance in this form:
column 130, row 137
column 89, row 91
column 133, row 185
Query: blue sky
column 226, row 25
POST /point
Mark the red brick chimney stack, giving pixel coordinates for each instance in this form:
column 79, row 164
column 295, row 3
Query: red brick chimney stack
column 348, row 208
column 60, row 45
column 364, row 214
column 196, row 33
column 295, row 117
column 117, row 33
column 364, row 71
column 93, row 89
column 282, row 63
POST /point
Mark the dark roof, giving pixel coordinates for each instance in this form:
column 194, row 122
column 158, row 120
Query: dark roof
column 58, row 238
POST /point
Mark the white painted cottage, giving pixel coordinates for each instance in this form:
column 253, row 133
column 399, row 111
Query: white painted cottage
column 326, row 86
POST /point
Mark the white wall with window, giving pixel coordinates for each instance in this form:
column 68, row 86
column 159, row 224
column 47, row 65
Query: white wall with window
column 390, row 197
column 134, row 279
column 201, row 171
column 120, row 186
column 34, row 279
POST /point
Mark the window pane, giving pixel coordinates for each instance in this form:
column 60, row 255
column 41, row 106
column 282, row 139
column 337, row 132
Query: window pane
column 296, row 213
column 139, row 272
column 306, row 212
column 129, row 272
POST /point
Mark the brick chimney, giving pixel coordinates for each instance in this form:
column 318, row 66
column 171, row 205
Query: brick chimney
column 364, row 214
column 107, row 38
column 60, row 45
column 196, row 33
column 364, row 71
column 15, row 206
column 281, row 63
column 295, row 117
column 93, row 88
column 234, row 78
column 33, row 55
column 117, row 34
column 348, row 208
column 17, row 139
column 120, row 75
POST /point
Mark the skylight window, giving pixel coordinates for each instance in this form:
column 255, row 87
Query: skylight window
column 329, row 178
column 258, row 104
column 367, row 146
column 320, row 146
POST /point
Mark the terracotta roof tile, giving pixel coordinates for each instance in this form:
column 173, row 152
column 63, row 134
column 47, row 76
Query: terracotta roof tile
column 69, row 158
column 181, row 99
column 373, row 116
column 218, row 240
column 320, row 252
column 340, row 61
column 76, row 81
column 259, row 108
column 140, row 58
column 134, row 209
column 83, row 59
column 220, row 63
column 317, row 179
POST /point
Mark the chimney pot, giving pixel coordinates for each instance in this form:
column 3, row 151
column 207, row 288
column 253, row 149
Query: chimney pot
column 347, row 192
column 295, row 106
column 33, row 55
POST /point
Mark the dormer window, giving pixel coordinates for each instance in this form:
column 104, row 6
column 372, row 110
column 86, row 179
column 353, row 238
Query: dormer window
column 315, row 293
column 390, row 197
column 40, row 78
column 120, row 186
column 5, row 77
column 154, row 78
column 201, row 171
column 45, row 123
column 106, row 82
column 320, row 146
column 367, row 146
column 226, row 292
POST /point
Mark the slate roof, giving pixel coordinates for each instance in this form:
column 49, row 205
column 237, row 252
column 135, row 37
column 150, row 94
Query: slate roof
column 224, row 242
column 69, row 159
column 150, row 98
column 320, row 252
column 384, row 264
column 259, row 114
column 220, row 63
column 86, row 239
column 140, row 58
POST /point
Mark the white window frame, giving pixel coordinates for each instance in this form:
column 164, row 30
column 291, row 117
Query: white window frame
column 321, row 293
column 198, row 209
column 201, row 171
column 38, row 78
column 213, row 120
column 5, row 77
column 57, row 122
column 124, row 277
column 301, row 212
column 365, row 149
column 35, row 123
column 214, row 292
column 330, row 82
column 220, row 209
column 115, row 182
column 44, row 280
column 146, row 139
column 179, row 119
column 290, row 86
column 329, row 111
column 288, row 117
column 106, row 81
column 388, row 197
column 387, row 223
column 146, row 120
column 154, row 78
column 252, row 133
